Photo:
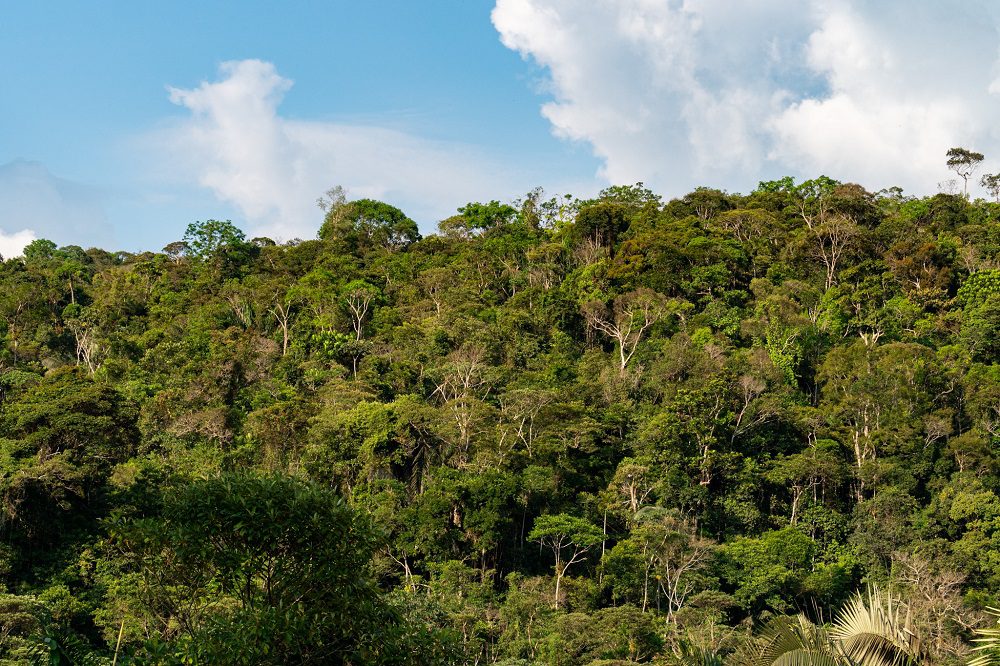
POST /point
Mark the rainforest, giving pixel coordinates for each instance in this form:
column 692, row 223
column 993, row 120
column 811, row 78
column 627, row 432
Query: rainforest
column 733, row 429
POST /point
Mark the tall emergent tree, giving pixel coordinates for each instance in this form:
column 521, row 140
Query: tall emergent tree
column 964, row 162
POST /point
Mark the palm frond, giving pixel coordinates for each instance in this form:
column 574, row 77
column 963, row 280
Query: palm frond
column 692, row 655
column 987, row 642
column 807, row 658
column 871, row 631
column 789, row 641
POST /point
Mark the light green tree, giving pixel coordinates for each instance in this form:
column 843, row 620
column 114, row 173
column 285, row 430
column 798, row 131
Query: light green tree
column 569, row 538
column 964, row 162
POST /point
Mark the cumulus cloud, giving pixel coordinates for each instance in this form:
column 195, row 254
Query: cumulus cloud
column 273, row 168
column 679, row 94
column 13, row 244
column 34, row 203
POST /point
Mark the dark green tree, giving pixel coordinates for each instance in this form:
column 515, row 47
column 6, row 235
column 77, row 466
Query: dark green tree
column 244, row 569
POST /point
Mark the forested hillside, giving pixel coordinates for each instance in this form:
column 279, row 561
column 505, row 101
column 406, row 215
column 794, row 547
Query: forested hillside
column 557, row 431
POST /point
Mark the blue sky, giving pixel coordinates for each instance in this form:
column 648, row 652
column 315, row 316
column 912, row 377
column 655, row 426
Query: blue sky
column 85, row 84
column 121, row 122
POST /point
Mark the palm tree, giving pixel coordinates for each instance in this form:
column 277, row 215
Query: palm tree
column 790, row 641
column 869, row 631
column 695, row 655
column 988, row 643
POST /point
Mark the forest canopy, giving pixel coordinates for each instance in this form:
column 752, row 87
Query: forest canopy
column 558, row 431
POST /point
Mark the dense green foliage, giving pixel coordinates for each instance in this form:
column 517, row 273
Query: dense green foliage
column 557, row 432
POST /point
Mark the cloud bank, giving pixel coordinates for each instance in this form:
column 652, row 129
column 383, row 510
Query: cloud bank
column 272, row 168
column 679, row 94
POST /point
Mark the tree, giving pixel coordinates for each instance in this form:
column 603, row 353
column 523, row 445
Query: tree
column 991, row 183
column 475, row 218
column 874, row 628
column 757, row 231
column 632, row 483
column 39, row 250
column 876, row 398
column 359, row 297
column 964, row 162
column 333, row 198
column 833, row 237
column 812, row 471
column 176, row 250
column 367, row 222
column 205, row 239
column 563, row 533
column 935, row 605
column 674, row 552
column 87, row 336
column 243, row 569
column 768, row 572
column 598, row 226
column 458, row 383
column 635, row 197
column 61, row 437
column 19, row 308
column 616, row 635
column 631, row 316
column 281, row 302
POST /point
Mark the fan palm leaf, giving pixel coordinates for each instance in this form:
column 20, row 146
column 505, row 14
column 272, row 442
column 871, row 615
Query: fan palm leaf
column 987, row 642
column 789, row 641
column 871, row 631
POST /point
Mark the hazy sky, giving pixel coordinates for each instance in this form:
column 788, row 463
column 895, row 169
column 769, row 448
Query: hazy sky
column 121, row 122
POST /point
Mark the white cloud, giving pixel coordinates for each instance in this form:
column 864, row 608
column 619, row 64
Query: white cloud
column 36, row 204
column 698, row 92
column 13, row 244
column 272, row 168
